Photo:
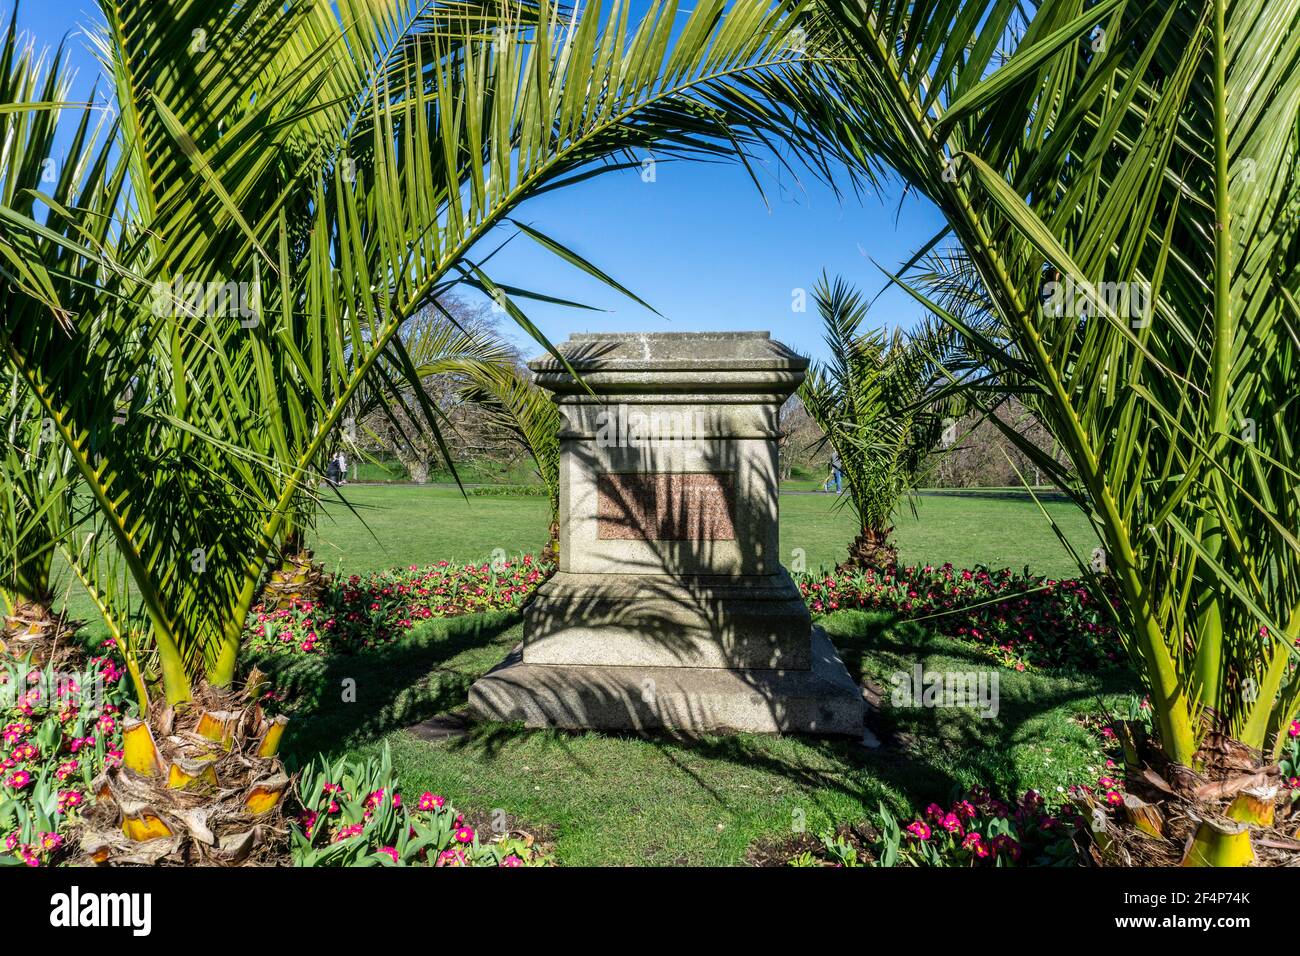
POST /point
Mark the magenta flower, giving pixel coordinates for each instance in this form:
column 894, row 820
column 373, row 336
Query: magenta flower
column 919, row 830
column 346, row 833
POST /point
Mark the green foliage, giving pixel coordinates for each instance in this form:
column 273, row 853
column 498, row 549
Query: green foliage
column 336, row 162
column 877, row 402
column 1133, row 155
column 511, row 491
column 353, row 815
column 526, row 411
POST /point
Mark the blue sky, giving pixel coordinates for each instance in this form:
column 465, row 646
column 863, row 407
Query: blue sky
column 698, row 243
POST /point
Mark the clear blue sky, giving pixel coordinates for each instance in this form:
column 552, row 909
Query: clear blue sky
column 698, row 243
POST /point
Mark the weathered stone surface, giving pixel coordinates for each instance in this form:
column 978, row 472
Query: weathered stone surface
column 670, row 569
column 666, row 506
column 821, row 700
column 666, row 621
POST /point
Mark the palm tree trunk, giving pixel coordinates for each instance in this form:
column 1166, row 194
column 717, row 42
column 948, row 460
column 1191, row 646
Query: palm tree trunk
column 31, row 628
column 552, row 555
column 201, row 784
column 871, row 550
column 299, row 579
column 1173, row 815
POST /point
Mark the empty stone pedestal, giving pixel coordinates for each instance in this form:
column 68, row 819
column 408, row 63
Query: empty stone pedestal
column 671, row 608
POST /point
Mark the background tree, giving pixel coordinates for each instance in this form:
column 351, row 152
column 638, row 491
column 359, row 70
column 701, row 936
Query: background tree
column 529, row 415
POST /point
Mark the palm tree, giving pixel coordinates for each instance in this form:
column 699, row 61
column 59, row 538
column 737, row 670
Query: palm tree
column 1122, row 178
column 34, row 511
column 877, row 404
column 342, row 165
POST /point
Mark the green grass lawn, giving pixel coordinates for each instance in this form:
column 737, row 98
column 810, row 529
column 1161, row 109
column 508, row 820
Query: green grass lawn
column 420, row 524
column 610, row 799
column 414, row 524
column 607, row 799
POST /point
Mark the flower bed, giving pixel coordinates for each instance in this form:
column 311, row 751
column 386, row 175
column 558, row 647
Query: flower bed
column 977, row 828
column 353, row 815
column 982, row 830
column 59, row 730
column 1016, row 618
column 371, row 610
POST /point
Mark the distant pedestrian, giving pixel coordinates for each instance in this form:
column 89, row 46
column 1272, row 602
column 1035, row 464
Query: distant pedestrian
column 332, row 470
column 343, row 468
column 837, row 471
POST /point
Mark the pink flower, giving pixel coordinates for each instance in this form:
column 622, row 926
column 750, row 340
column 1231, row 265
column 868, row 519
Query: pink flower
column 430, row 801
column 391, row 852
column 15, row 732
column 20, row 779
column 452, row 858
column 512, row 861
column 919, row 830
column 464, row 835
column 347, row 833
column 951, row 822
column 24, row 752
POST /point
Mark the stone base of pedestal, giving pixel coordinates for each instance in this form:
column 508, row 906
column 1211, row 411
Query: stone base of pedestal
column 822, row 700
column 666, row 620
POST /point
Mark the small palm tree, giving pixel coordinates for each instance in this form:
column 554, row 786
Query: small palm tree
column 880, row 405
column 34, row 513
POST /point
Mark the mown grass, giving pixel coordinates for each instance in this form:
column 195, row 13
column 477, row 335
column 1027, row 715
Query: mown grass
column 386, row 526
column 611, row 799
column 414, row 524
column 608, row 799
